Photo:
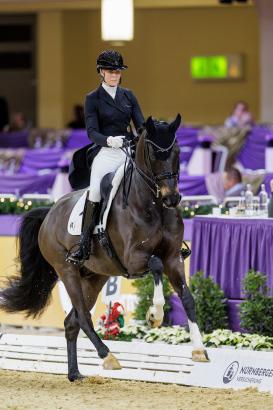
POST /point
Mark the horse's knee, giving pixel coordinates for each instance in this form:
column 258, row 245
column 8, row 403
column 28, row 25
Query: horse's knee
column 156, row 267
column 71, row 326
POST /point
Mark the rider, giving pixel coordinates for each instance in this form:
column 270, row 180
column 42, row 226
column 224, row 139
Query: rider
column 108, row 113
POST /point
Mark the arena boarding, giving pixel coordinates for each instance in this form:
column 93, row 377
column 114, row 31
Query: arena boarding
column 153, row 362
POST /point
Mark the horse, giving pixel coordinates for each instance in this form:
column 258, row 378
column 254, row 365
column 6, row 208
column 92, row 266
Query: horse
column 146, row 235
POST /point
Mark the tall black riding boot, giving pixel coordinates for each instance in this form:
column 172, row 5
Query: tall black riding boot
column 88, row 224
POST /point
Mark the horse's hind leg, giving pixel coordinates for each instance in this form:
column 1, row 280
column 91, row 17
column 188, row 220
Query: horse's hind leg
column 72, row 280
column 72, row 329
column 175, row 271
column 155, row 313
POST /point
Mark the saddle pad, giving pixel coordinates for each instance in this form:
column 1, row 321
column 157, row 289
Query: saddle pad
column 75, row 220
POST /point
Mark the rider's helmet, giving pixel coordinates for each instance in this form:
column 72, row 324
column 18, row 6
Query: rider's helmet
column 110, row 60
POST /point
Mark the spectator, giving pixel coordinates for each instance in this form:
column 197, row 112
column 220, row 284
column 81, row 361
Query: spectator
column 233, row 185
column 240, row 117
column 78, row 121
column 18, row 122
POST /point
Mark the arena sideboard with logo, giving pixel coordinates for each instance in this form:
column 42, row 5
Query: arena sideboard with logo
column 234, row 369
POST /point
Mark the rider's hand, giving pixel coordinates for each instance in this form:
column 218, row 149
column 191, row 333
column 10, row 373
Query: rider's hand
column 115, row 142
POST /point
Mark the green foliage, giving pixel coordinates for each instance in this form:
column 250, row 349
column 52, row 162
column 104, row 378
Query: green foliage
column 145, row 291
column 11, row 206
column 211, row 305
column 256, row 311
column 188, row 212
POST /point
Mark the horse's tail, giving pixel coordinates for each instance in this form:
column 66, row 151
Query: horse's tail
column 30, row 290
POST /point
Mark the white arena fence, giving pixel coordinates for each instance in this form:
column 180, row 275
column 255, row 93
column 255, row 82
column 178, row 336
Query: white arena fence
column 153, row 362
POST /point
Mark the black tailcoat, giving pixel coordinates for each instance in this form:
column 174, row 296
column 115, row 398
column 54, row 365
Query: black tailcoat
column 104, row 117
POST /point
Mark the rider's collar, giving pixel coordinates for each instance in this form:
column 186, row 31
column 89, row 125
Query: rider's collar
column 109, row 89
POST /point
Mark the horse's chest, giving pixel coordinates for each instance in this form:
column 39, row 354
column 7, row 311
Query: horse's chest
column 150, row 216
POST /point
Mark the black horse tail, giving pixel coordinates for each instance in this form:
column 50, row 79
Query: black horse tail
column 30, row 290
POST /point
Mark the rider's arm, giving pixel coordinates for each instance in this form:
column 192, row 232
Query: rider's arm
column 92, row 121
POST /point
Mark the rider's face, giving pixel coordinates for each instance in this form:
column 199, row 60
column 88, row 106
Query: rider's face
column 111, row 77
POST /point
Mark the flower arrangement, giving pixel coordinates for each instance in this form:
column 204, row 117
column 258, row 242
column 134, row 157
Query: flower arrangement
column 178, row 335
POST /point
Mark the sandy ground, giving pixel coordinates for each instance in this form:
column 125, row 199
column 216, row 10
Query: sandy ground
column 19, row 390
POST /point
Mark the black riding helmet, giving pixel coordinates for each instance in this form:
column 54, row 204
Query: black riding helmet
column 110, row 60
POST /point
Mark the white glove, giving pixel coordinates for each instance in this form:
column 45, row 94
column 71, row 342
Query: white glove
column 115, row 142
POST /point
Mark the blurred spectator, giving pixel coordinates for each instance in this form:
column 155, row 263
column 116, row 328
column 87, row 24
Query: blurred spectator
column 233, row 185
column 78, row 121
column 18, row 122
column 240, row 117
column 4, row 113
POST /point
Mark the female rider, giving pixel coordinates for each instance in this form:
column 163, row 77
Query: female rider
column 109, row 111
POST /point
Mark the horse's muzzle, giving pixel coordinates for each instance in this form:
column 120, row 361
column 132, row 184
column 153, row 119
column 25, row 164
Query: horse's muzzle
column 172, row 200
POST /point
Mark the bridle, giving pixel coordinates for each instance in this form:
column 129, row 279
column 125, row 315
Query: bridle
column 152, row 180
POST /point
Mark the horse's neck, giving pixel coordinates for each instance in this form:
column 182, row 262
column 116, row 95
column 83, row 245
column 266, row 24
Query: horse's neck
column 144, row 195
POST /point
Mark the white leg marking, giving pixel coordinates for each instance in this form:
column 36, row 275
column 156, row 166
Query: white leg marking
column 158, row 302
column 195, row 335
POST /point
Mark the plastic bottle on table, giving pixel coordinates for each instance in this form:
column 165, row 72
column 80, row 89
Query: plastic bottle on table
column 270, row 205
column 263, row 200
column 249, row 200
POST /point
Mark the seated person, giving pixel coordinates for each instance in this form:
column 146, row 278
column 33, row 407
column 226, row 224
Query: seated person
column 18, row 122
column 78, row 121
column 233, row 185
column 240, row 117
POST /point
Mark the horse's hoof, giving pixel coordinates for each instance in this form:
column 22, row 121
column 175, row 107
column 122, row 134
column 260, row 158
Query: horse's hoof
column 200, row 355
column 76, row 377
column 111, row 363
column 151, row 320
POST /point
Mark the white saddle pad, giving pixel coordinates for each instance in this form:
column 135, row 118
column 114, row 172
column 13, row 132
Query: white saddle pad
column 75, row 220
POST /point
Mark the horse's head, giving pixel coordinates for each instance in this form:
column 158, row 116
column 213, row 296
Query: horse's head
column 161, row 156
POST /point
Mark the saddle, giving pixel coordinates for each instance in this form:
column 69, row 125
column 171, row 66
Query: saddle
column 109, row 187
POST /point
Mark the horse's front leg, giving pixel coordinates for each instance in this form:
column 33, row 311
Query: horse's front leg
column 155, row 313
column 174, row 266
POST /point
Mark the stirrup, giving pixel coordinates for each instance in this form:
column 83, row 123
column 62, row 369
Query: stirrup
column 78, row 257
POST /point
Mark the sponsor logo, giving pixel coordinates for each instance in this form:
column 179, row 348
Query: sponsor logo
column 230, row 372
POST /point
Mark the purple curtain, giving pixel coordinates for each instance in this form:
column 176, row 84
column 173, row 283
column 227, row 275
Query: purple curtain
column 252, row 155
column 187, row 137
column 77, row 139
column 226, row 249
column 192, row 185
column 14, row 139
column 36, row 159
column 20, row 184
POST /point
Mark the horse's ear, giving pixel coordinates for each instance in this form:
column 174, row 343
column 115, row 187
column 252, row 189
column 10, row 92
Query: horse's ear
column 175, row 124
column 149, row 125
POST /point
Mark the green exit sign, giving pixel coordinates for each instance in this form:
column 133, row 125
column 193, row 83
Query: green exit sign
column 216, row 67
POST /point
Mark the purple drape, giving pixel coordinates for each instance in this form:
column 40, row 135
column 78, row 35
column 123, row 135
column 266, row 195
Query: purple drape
column 226, row 249
column 77, row 139
column 14, row 139
column 187, row 137
column 20, row 184
column 252, row 155
column 36, row 159
column 192, row 185
column 9, row 225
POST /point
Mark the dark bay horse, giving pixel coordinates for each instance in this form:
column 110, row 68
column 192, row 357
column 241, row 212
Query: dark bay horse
column 147, row 236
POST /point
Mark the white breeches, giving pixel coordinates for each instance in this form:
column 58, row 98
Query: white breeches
column 107, row 160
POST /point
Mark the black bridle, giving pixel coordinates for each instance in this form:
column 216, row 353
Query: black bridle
column 151, row 180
